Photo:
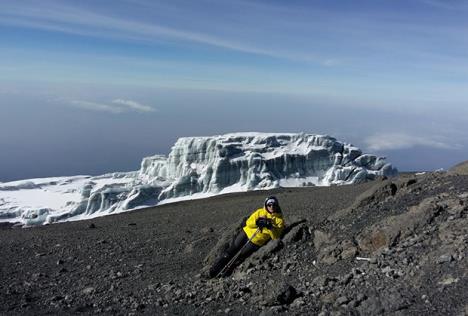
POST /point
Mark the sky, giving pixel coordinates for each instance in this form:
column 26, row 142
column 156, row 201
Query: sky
column 89, row 87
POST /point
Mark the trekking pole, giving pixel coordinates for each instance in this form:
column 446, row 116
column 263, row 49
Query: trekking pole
column 228, row 265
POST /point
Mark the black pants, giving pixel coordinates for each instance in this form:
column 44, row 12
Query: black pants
column 236, row 244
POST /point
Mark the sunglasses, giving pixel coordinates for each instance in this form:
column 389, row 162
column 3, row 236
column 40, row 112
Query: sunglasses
column 271, row 204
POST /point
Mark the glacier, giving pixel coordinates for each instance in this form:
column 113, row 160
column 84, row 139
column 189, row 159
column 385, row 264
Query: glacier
column 196, row 167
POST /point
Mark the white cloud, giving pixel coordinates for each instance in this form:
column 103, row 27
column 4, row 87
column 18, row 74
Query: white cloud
column 392, row 141
column 133, row 105
column 117, row 106
column 96, row 106
column 72, row 19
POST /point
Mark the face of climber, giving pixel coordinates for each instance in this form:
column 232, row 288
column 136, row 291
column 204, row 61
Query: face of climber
column 271, row 206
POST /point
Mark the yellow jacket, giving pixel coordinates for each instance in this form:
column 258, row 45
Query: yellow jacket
column 266, row 234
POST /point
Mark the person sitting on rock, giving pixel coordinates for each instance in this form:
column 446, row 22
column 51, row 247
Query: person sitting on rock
column 262, row 225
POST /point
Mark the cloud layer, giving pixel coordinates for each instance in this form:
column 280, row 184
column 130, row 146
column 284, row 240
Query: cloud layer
column 116, row 106
column 394, row 141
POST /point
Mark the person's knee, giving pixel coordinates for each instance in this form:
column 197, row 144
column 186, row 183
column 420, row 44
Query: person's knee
column 247, row 251
column 240, row 240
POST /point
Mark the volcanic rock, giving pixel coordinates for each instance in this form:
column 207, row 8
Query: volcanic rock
column 388, row 247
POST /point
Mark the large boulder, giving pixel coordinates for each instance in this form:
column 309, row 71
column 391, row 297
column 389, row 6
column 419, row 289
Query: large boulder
column 389, row 231
column 461, row 168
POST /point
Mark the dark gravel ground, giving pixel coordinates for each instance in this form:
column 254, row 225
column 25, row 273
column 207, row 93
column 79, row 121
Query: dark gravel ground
column 150, row 261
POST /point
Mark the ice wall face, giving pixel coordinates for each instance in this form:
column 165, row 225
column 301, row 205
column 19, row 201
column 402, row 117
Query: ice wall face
column 251, row 161
column 196, row 167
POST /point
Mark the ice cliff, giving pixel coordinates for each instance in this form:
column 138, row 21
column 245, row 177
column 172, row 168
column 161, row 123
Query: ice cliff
column 196, row 167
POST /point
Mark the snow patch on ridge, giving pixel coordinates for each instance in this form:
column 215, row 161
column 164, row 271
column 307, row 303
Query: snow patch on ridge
column 196, row 167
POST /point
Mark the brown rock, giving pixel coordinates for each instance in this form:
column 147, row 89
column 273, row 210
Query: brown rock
column 322, row 238
column 328, row 298
column 348, row 249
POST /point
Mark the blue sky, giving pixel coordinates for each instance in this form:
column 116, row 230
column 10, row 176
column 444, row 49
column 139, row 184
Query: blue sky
column 93, row 86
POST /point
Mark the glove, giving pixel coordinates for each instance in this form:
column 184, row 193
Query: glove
column 263, row 222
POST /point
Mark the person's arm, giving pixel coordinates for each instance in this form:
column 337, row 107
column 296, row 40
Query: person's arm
column 251, row 221
column 277, row 229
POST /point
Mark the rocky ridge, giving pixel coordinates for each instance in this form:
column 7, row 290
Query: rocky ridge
column 400, row 249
